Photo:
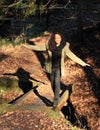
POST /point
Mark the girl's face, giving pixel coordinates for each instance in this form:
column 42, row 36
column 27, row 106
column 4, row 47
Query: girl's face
column 58, row 39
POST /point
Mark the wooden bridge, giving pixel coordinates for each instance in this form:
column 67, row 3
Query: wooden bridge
column 62, row 101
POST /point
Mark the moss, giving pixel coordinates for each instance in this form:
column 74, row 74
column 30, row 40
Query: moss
column 34, row 107
column 4, row 107
column 8, row 84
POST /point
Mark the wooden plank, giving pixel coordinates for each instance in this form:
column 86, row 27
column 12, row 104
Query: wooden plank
column 25, row 96
column 62, row 100
column 22, row 97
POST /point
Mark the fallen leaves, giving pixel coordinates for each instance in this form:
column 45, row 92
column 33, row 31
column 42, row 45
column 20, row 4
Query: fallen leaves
column 29, row 120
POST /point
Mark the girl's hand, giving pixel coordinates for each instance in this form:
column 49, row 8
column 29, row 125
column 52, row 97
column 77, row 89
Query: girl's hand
column 88, row 65
column 88, row 68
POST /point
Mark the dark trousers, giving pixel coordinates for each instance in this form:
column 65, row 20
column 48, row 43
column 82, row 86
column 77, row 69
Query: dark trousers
column 55, row 83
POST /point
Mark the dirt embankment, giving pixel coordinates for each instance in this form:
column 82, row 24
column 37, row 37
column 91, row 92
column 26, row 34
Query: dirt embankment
column 83, row 107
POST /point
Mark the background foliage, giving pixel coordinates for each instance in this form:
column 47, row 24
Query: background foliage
column 46, row 14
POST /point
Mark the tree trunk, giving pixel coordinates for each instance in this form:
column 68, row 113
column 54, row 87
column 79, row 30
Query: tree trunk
column 47, row 19
column 79, row 19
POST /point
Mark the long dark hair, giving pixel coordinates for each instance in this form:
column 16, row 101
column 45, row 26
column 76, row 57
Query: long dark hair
column 52, row 43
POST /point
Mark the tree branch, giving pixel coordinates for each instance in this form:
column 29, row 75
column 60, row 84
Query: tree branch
column 47, row 4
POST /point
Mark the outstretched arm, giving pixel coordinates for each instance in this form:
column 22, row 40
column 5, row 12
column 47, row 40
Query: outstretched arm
column 73, row 57
column 35, row 47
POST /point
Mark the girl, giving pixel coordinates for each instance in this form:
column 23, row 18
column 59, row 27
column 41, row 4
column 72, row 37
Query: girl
column 57, row 50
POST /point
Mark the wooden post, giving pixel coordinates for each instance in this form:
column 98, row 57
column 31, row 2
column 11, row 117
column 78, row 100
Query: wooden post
column 63, row 100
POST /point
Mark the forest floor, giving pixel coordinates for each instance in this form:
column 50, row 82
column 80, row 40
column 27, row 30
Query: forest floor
column 83, row 110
